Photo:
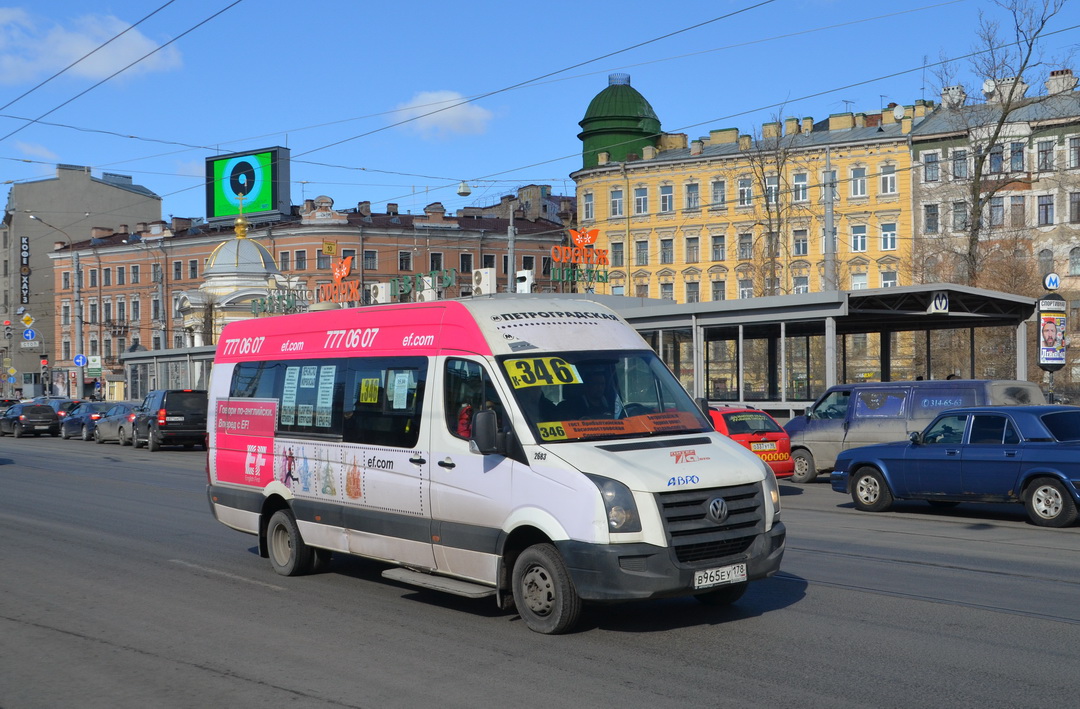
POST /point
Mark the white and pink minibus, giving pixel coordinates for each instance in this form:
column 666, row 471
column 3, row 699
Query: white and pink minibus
column 533, row 449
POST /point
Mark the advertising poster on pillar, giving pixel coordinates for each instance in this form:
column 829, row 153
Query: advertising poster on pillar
column 1051, row 338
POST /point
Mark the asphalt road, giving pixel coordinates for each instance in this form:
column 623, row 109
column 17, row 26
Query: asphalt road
column 118, row 589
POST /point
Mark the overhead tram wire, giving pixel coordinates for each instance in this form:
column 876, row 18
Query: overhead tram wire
column 120, row 71
column 85, row 56
column 184, row 145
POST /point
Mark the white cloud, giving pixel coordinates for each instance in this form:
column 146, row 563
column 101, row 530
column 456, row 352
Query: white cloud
column 32, row 48
column 191, row 168
column 464, row 119
column 35, row 150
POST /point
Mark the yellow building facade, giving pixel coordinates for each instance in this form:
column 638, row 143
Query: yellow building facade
column 734, row 215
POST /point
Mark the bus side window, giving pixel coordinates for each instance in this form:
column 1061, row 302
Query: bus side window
column 384, row 401
column 466, row 390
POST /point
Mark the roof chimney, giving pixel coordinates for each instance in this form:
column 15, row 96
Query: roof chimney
column 363, row 208
column 1060, row 81
column 696, row 146
column 953, row 96
column 391, row 208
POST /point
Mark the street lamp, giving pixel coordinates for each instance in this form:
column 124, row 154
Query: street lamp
column 79, row 368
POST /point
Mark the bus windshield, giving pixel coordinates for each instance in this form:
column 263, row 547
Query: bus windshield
column 569, row 396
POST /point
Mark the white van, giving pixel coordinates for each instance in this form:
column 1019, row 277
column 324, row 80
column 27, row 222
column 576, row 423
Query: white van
column 531, row 449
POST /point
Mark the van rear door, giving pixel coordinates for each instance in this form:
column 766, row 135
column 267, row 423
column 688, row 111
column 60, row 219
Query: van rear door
column 877, row 415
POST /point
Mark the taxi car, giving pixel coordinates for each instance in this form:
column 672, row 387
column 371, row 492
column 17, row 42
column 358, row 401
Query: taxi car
column 1021, row 454
column 759, row 432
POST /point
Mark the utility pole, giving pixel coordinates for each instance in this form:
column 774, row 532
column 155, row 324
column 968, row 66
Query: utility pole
column 80, row 369
column 511, row 270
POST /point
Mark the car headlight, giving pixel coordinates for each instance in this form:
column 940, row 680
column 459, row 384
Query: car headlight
column 622, row 514
column 772, row 490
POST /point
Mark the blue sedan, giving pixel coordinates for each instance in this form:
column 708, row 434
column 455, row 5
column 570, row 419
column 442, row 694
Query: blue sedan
column 1028, row 454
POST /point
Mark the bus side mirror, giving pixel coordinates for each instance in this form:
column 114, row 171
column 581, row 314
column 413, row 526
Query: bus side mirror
column 485, row 432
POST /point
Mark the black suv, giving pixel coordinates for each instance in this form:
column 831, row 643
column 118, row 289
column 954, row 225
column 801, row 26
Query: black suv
column 170, row 417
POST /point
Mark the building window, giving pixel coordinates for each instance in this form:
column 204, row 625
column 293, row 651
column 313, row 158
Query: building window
column 121, row 275
column 772, row 244
column 1046, row 210
column 283, row 260
column 858, row 182
column 997, row 211
column 667, row 291
column 693, row 294
column 134, row 275
column 616, row 203
column 858, row 281
column 693, row 196
column 121, row 311
column 106, row 277
column 996, row 160
column 106, row 311
column 746, row 288
column 93, row 277
column 1074, row 261
column 65, row 315
column 931, row 172
column 746, row 192
column 641, row 253
column 371, row 260
column 801, row 284
column 1074, row 207
column 1016, row 157
column 465, row 263
column 959, row 215
column 746, row 247
column 667, row 198
column 301, row 260
column 545, row 267
column 136, row 311
column 1044, row 151
column 488, row 260
column 156, row 273
column 692, row 249
column 1074, row 152
column 799, row 190
column 587, row 207
column 67, row 349
column 617, row 255
column 1017, row 215
column 888, row 236
column 800, row 244
column 322, row 261
column 1046, row 261
column 719, row 248
column 93, row 313
column 437, row 263
column 719, row 194
column 930, row 218
column 93, row 347
column 772, row 190
column 888, row 279
column 404, row 260
column 888, row 179
column 177, row 270
column 959, row 164
column 65, row 280
column 641, row 200
column 193, row 269
column 858, row 238
column 719, row 290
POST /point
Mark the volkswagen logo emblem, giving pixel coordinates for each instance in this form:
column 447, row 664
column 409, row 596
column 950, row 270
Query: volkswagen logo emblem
column 718, row 511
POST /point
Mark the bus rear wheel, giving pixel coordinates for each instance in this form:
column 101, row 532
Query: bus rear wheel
column 289, row 555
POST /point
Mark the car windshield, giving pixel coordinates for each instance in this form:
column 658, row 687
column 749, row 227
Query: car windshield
column 750, row 422
column 1064, row 425
column 589, row 395
column 187, row 401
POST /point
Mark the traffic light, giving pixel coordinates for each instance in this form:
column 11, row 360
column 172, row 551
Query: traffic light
column 44, row 367
column 7, row 329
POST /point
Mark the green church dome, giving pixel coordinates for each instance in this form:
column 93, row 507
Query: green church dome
column 619, row 121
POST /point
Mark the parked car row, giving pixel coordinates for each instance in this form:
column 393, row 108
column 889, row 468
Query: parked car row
column 164, row 417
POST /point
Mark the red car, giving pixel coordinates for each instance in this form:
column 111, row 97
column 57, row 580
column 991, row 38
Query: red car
column 760, row 433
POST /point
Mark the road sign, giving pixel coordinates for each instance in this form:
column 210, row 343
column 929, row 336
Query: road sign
column 12, row 371
column 29, row 344
column 1052, row 282
column 93, row 368
column 29, row 334
column 27, row 320
column 11, row 380
column 80, row 360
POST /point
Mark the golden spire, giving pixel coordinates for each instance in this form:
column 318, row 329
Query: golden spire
column 241, row 224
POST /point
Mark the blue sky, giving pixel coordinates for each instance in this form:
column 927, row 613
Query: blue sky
column 330, row 79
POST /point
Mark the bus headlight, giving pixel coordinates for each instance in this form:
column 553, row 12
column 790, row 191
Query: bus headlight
column 622, row 515
column 772, row 490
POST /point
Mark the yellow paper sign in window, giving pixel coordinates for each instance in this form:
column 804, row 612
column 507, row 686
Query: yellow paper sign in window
column 540, row 371
column 369, row 391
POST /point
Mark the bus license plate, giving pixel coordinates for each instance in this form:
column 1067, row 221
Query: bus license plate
column 735, row 573
column 763, row 446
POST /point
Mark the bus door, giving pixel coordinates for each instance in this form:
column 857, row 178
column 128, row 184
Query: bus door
column 470, row 493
